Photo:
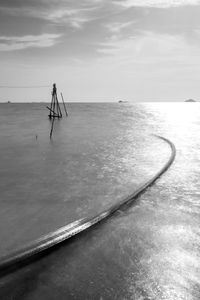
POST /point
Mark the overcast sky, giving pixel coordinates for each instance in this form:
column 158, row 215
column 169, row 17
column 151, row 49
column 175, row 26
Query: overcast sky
column 100, row 50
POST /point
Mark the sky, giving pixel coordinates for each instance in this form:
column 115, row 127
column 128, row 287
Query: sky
column 100, row 50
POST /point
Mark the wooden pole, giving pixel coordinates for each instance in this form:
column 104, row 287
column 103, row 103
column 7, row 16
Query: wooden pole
column 53, row 112
column 58, row 108
column 64, row 105
column 50, row 114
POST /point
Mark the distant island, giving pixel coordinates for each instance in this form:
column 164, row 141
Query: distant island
column 121, row 101
column 190, row 100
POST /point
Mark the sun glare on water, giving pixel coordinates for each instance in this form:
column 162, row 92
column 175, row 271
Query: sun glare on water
column 178, row 117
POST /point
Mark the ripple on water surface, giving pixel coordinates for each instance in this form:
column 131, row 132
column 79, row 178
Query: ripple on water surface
column 101, row 152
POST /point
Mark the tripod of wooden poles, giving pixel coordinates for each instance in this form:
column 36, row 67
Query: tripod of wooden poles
column 54, row 109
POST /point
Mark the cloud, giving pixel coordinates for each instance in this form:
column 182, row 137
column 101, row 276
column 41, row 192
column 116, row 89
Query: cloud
column 64, row 12
column 156, row 3
column 88, row 24
column 148, row 48
column 117, row 27
column 29, row 41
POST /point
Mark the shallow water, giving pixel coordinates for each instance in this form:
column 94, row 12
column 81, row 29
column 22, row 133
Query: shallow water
column 97, row 156
column 149, row 251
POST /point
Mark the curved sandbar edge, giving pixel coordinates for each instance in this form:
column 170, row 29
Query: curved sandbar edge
column 62, row 234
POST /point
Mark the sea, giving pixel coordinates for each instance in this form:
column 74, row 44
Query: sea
column 97, row 156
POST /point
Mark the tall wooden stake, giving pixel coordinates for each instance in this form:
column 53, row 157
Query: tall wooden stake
column 64, row 104
column 55, row 110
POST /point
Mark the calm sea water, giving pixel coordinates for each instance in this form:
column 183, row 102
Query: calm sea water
column 99, row 155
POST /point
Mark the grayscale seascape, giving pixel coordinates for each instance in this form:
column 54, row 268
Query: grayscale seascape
column 98, row 156
column 99, row 150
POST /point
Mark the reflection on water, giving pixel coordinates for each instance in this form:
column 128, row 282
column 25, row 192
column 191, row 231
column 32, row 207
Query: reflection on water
column 172, row 209
column 150, row 251
column 97, row 157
